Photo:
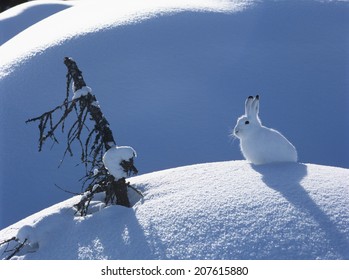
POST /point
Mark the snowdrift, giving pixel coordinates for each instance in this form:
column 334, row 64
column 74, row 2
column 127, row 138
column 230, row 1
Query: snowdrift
column 224, row 210
column 18, row 18
column 142, row 100
column 171, row 77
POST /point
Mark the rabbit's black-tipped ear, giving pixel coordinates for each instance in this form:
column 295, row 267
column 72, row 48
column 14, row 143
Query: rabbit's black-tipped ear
column 248, row 104
column 255, row 106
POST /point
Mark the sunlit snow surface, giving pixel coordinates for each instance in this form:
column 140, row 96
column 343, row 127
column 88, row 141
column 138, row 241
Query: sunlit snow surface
column 171, row 78
column 90, row 17
column 226, row 210
column 15, row 20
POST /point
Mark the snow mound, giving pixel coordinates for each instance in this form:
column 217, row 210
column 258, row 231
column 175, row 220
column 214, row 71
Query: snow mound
column 20, row 17
column 86, row 17
column 223, row 210
column 170, row 77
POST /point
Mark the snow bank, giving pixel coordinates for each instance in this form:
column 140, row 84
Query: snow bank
column 171, row 77
column 20, row 17
column 225, row 210
column 86, row 17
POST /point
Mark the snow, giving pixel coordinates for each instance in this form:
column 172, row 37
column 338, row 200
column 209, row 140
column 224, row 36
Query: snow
column 20, row 17
column 27, row 234
column 87, row 17
column 171, row 77
column 114, row 156
column 82, row 92
column 222, row 210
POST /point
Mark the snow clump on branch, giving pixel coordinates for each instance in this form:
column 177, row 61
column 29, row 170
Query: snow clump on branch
column 82, row 92
column 28, row 236
column 115, row 156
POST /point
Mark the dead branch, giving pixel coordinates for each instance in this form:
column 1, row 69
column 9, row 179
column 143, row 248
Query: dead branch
column 93, row 141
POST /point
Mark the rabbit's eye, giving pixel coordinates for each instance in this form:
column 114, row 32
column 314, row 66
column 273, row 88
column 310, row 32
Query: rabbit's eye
column 247, row 122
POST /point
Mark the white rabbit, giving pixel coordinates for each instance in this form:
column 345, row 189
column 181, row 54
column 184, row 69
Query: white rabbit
column 259, row 144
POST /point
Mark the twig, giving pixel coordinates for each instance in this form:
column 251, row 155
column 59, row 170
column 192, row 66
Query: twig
column 137, row 191
column 66, row 190
column 17, row 249
column 93, row 141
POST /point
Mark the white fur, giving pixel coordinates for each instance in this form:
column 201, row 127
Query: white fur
column 260, row 144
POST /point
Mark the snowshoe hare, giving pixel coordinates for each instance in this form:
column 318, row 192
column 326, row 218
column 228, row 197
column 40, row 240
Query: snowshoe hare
column 259, row 144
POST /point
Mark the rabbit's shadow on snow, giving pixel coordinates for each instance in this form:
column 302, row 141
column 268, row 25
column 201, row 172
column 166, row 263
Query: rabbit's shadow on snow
column 286, row 178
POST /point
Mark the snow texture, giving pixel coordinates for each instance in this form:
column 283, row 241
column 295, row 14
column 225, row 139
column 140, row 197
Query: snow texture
column 223, row 210
column 171, row 77
column 114, row 156
column 15, row 20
